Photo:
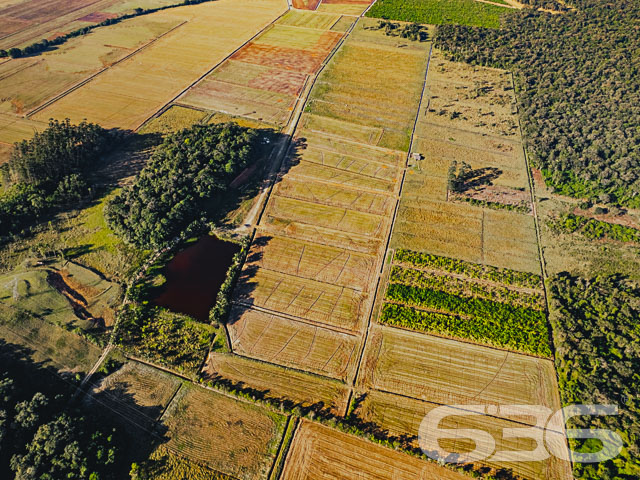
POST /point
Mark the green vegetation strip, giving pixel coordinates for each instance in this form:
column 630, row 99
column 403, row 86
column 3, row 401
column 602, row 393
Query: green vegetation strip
column 508, row 333
column 472, row 270
column 466, row 287
column 595, row 229
column 438, row 12
column 284, row 448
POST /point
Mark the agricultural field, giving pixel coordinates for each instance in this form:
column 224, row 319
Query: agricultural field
column 450, row 372
column 437, row 12
column 232, row 437
column 173, row 119
column 127, row 94
column 305, row 293
column 318, row 451
column 264, row 78
column 344, row 7
column 29, row 21
column 402, row 417
column 278, row 382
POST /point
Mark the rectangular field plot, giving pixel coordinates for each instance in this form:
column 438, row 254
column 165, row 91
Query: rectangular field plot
column 321, row 21
column 130, row 92
column 279, row 382
column 15, row 129
column 138, row 393
column 402, row 416
column 335, row 195
column 313, row 261
column 230, row 436
column 337, row 128
column 347, row 7
column 321, row 452
column 450, row 372
column 292, row 344
column 324, row 303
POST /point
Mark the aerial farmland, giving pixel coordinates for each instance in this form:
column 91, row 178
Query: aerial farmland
column 274, row 239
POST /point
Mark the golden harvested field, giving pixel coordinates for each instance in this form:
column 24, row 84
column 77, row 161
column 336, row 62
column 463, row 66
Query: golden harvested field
column 137, row 393
column 291, row 343
column 130, row 92
column 23, row 22
column 279, row 382
column 233, row 437
column 167, row 466
column 402, row 416
column 264, row 78
column 15, row 129
column 450, row 372
column 346, row 8
column 28, row 82
column 321, row 452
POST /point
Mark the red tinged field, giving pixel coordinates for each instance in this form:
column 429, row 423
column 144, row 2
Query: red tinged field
column 306, row 4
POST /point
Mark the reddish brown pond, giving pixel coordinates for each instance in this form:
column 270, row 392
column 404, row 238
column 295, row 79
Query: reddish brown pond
column 195, row 275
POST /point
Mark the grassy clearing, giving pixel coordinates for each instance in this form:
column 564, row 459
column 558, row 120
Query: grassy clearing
column 184, row 55
column 292, row 344
column 278, row 382
column 452, row 373
column 173, row 119
column 320, row 451
column 233, row 437
column 437, row 12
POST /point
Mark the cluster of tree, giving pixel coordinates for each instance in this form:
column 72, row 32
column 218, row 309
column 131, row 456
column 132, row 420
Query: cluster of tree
column 412, row 31
column 469, row 269
column 597, row 340
column 184, row 179
column 40, row 439
column 457, row 176
column 44, row 44
column 579, row 107
column 595, row 229
column 49, row 171
column 500, row 332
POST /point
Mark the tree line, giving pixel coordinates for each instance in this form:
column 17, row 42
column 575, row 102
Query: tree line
column 578, row 84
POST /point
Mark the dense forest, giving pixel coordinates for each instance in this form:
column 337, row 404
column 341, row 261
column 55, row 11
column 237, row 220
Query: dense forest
column 597, row 339
column 185, row 176
column 578, row 80
column 49, row 172
column 41, row 438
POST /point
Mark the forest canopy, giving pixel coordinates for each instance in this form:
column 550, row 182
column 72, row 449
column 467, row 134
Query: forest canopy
column 185, row 177
column 578, row 76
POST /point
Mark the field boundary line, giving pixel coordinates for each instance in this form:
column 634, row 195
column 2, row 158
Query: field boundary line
column 208, row 72
column 82, row 83
column 293, row 440
column 390, row 230
column 294, row 318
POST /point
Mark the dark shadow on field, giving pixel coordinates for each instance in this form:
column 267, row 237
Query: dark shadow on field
column 481, row 177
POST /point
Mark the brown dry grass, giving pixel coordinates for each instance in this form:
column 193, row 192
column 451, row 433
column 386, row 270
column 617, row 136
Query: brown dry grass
column 320, row 452
column 450, row 372
column 230, row 436
column 292, row 344
column 279, row 382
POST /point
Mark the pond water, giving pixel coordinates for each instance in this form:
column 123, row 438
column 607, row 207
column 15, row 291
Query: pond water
column 194, row 277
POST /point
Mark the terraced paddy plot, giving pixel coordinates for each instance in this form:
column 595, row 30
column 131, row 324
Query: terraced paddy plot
column 402, row 417
column 138, row 393
column 129, row 93
column 321, row 452
column 264, row 78
column 449, row 372
column 26, row 21
column 291, row 343
column 232, row 437
column 279, row 382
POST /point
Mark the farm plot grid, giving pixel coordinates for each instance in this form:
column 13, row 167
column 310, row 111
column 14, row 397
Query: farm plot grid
column 264, row 79
column 128, row 93
column 304, row 295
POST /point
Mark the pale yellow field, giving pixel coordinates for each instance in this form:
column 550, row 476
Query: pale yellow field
column 15, row 129
column 279, row 382
column 173, row 119
column 402, row 416
column 130, row 92
column 450, row 372
column 301, row 18
column 321, row 452
column 230, row 436
column 291, row 343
